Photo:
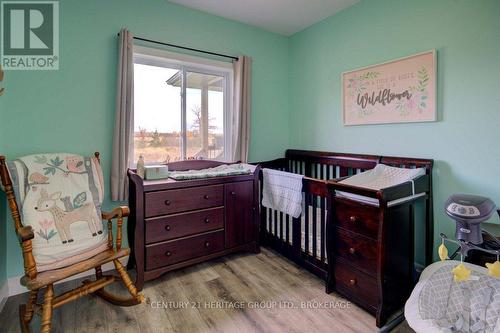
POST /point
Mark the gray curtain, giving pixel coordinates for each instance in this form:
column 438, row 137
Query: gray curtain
column 242, row 108
column 123, row 142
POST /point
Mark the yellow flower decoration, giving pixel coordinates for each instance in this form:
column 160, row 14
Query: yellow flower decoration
column 443, row 252
column 494, row 269
column 461, row 273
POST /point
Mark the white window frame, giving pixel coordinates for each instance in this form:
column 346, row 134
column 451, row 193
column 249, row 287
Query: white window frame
column 187, row 63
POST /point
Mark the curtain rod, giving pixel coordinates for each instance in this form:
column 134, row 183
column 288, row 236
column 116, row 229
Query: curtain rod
column 186, row 48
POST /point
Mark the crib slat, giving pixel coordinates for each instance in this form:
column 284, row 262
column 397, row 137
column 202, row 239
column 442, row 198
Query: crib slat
column 308, row 169
column 281, row 226
column 306, row 223
column 263, row 224
column 314, row 226
column 296, row 232
column 275, row 224
column 322, row 228
column 287, row 221
column 343, row 171
column 270, row 222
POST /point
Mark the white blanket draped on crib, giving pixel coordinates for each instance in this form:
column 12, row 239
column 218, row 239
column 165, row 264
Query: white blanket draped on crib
column 282, row 191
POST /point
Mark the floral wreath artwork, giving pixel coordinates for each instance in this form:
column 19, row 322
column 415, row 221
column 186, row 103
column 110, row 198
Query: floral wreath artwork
column 399, row 91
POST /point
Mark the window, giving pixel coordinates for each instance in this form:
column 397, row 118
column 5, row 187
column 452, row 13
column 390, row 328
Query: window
column 182, row 107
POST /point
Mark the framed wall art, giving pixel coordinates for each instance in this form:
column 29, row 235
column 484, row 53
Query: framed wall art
column 397, row 91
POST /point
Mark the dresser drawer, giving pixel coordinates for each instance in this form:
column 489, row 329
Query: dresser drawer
column 362, row 219
column 179, row 225
column 359, row 250
column 175, row 201
column 353, row 283
column 175, row 251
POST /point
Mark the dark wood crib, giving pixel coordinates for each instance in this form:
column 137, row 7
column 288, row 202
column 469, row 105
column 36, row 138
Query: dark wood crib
column 359, row 238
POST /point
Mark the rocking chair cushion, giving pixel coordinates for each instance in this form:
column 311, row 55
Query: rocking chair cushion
column 60, row 197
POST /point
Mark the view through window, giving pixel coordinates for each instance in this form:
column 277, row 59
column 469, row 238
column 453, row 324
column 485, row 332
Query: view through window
column 179, row 114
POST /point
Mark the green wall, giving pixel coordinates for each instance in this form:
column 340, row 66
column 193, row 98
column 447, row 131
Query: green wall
column 72, row 109
column 464, row 141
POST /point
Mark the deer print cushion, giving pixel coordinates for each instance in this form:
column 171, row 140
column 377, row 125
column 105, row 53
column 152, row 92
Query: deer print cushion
column 60, row 197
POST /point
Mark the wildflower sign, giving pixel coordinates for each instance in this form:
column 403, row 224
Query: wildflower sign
column 398, row 91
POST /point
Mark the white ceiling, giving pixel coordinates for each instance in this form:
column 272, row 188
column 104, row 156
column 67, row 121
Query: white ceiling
column 284, row 17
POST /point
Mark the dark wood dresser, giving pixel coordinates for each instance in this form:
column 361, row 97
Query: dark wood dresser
column 372, row 247
column 174, row 224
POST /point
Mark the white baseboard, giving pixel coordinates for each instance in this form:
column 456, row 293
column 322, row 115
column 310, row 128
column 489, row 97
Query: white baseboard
column 14, row 286
column 4, row 294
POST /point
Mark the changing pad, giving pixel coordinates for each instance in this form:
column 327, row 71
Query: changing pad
column 219, row 171
column 380, row 177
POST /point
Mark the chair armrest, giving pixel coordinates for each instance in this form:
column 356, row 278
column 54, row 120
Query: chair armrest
column 122, row 211
column 25, row 234
column 118, row 213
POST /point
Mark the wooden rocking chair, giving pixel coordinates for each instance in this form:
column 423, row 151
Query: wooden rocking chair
column 34, row 281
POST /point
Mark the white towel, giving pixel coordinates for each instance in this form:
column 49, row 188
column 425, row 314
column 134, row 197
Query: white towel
column 282, row 191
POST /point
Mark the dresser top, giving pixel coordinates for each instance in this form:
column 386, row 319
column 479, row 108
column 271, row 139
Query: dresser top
column 169, row 183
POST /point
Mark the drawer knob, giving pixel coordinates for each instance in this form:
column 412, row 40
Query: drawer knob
column 207, row 220
column 233, row 193
column 353, row 218
column 167, row 202
column 207, row 244
column 353, row 282
column 206, row 196
column 352, row 250
column 168, row 253
column 167, row 227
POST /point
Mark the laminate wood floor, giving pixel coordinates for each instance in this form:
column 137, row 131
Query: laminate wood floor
column 239, row 293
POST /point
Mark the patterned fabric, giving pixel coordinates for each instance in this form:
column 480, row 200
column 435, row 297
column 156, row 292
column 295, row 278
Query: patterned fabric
column 60, row 197
column 470, row 306
column 219, row 171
